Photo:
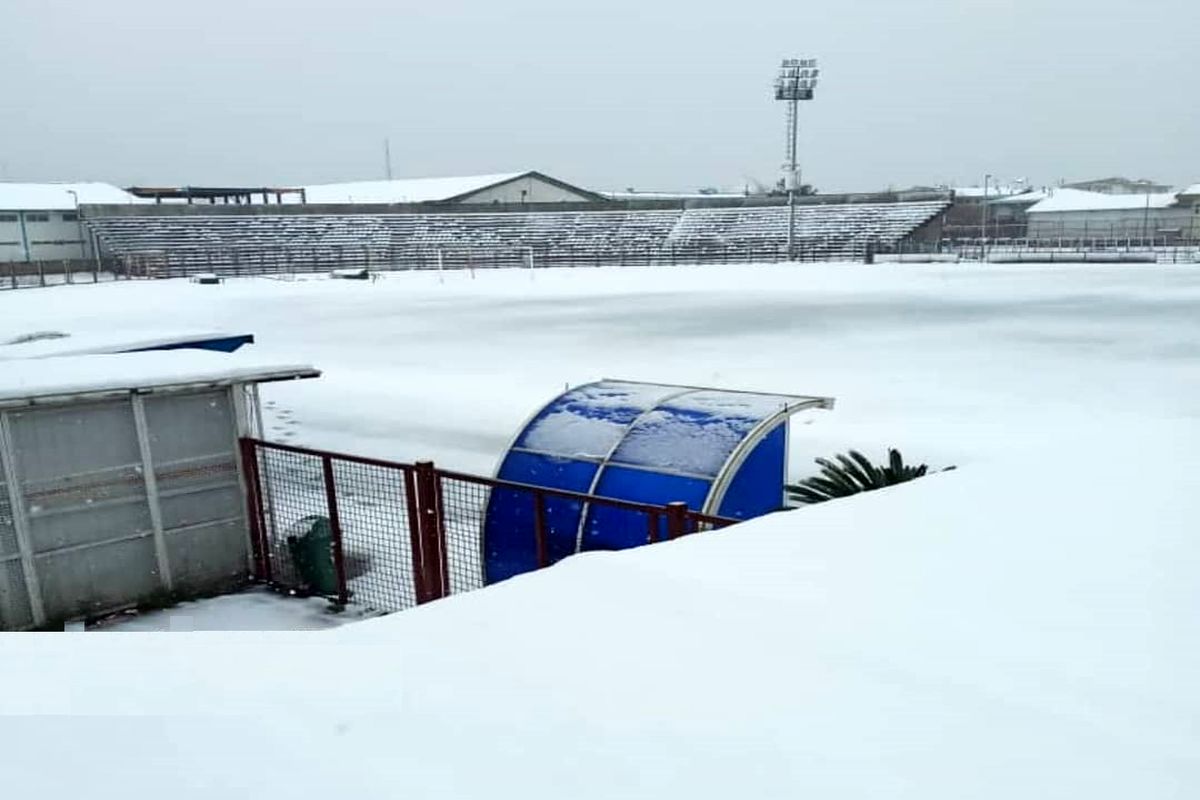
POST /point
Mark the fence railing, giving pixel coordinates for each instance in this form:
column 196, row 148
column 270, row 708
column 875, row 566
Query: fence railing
column 390, row 535
column 32, row 274
column 298, row 260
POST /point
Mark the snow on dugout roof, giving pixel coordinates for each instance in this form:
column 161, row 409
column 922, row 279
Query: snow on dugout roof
column 58, row 197
column 407, row 190
column 24, row 382
column 1079, row 200
column 52, row 344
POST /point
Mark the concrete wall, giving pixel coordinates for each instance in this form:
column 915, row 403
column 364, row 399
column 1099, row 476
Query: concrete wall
column 1119, row 223
column 42, row 236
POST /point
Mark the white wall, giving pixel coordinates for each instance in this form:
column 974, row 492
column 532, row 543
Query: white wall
column 1100, row 224
column 535, row 190
column 43, row 236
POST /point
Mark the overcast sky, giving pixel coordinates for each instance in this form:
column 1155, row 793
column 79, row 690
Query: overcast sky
column 671, row 94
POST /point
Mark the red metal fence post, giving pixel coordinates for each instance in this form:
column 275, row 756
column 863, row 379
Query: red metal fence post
column 420, row 579
column 254, row 509
column 677, row 515
column 432, row 527
column 335, row 525
column 653, row 518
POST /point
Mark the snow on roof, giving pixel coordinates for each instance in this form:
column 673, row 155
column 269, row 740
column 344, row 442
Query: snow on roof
column 990, row 191
column 58, row 197
column 407, row 190
column 30, row 380
column 1064, row 199
column 1194, row 189
column 55, row 344
column 654, row 195
column 1018, row 199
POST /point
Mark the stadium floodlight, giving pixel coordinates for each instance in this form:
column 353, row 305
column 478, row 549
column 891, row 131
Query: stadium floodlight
column 796, row 81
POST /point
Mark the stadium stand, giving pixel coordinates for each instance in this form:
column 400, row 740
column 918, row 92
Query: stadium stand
column 178, row 245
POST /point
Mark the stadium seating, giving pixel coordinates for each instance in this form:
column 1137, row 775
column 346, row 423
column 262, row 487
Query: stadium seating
column 172, row 245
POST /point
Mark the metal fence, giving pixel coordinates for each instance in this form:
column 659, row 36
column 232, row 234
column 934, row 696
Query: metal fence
column 34, row 274
column 400, row 534
column 1161, row 250
column 298, row 260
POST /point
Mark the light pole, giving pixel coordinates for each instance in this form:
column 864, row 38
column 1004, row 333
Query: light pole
column 796, row 81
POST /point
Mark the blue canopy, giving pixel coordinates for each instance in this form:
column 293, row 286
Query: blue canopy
column 722, row 452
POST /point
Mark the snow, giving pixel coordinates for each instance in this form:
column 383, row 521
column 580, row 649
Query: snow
column 252, row 610
column 1192, row 191
column 408, row 190
column 30, row 379
column 58, row 197
column 1078, row 200
column 1023, row 626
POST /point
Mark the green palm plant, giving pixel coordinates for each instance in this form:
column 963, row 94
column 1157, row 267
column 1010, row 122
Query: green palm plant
column 852, row 473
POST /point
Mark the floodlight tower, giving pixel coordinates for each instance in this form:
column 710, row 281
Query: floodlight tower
column 796, row 81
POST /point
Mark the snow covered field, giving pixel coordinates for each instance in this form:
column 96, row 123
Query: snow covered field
column 1022, row 627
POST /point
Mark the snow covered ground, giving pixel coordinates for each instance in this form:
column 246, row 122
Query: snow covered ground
column 1024, row 626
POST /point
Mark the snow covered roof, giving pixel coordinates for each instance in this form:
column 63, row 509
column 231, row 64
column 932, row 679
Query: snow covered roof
column 1078, row 200
column 990, row 191
column 56, row 344
column 1193, row 190
column 1018, row 199
column 652, row 195
column 58, row 197
column 406, row 190
column 28, row 381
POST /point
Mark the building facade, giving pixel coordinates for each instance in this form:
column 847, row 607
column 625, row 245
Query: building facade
column 42, row 221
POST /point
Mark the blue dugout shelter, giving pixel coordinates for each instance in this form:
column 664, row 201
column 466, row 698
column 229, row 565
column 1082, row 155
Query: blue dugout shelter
column 722, row 452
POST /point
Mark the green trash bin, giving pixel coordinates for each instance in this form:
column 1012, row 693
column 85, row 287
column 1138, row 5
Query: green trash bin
column 310, row 542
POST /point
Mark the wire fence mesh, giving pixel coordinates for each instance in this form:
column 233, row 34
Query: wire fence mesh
column 388, row 536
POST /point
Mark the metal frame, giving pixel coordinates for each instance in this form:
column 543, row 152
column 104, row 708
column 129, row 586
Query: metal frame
column 152, row 499
column 719, row 483
column 33, row 585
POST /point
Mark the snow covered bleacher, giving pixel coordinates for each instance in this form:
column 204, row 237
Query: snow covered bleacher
column 174, row 245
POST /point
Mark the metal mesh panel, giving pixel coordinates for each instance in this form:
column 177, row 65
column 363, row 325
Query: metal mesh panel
column 377, row 547
column 8, row 533
column 463, row 506
column 293, row 491
column 381, row 510
column 15, row 612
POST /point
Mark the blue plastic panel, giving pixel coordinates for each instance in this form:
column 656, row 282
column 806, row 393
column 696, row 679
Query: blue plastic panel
column 221, row 344
column 587, row 422
column 757, row 488
column 695, row 433
column 509, row 545
column 617, row 529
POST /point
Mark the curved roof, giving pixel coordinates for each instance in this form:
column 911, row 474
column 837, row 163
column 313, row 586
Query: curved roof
column 720, row 451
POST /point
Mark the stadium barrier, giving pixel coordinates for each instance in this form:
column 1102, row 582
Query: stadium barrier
column 387, row 535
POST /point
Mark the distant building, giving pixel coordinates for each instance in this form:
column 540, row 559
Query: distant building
column 40, row 221
column 505, row 188
column 1074, row 214
column 1119, row 186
